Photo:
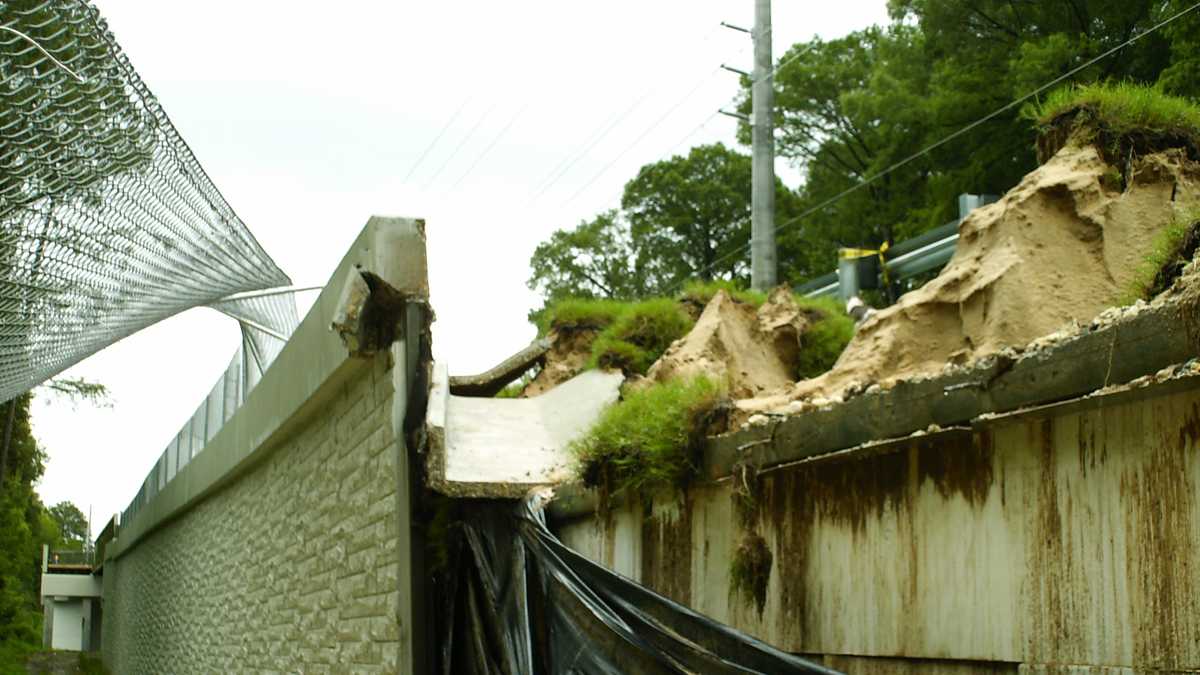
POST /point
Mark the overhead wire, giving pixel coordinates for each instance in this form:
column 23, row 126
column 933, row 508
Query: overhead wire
column 611, row 126
column 490, row 146
column 457, row 148
column 687, row 96
column 436, row 138
column 973, row 125
column 602, row 132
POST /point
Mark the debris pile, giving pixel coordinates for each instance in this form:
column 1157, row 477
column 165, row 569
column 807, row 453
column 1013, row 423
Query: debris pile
column 751, row 351
column 1058, row 250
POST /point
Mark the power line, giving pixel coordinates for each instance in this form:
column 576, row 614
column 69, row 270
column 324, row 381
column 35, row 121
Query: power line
column 491, row 145
column 575, row 157
column 657, row 123
column 986, row 118
column 437, row 138
column 454, row 152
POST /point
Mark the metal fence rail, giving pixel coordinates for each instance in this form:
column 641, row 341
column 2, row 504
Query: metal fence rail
column 923, row 253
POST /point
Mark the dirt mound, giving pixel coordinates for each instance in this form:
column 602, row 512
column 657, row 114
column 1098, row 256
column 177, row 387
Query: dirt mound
column 1062, row 246
column 753, row 352
column 570, row 349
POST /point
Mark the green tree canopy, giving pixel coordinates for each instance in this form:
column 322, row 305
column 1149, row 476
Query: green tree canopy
column 684, row 217
column 594, row 260
column 72, row 524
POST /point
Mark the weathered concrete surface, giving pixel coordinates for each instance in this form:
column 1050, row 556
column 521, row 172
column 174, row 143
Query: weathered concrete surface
column 1067, row 534
column 286, row 546
column 489, row 447
column 493, row 380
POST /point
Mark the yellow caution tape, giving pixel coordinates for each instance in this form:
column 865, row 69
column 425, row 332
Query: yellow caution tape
column 852, row 253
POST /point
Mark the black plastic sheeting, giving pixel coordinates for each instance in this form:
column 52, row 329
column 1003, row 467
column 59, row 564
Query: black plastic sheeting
column 517, row 601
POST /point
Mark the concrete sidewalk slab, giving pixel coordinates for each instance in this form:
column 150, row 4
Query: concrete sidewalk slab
column 495, row 447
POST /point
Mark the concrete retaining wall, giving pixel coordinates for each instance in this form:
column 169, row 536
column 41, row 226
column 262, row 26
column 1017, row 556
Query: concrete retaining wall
column 1060, row 538
column 286, row 545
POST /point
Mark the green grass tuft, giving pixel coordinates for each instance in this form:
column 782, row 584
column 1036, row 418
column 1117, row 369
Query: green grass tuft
column 1166, row 250
column 650, row 440
column 701, row 292
column 1121, row 120
column 1123, row 107
column 579, row 313
column 639, row 335
column 825, row 339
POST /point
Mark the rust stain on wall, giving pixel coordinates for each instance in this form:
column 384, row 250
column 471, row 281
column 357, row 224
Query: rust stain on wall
column 1049, row 575
column 667, row 553
column 1160, row 537
column 958, row 466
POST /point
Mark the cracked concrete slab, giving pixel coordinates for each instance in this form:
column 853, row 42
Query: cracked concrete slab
column 490, row 447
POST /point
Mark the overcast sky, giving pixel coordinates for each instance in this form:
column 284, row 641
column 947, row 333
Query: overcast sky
column 310, row 117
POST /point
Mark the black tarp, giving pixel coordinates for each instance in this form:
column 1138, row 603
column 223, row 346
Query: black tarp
column 517, row 601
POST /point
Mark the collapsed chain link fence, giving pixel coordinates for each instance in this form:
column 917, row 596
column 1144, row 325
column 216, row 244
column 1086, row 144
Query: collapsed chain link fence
column 108, row 223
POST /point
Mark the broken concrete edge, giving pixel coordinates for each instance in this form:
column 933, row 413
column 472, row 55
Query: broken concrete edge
column 494, row 380
column 435, row 428
column 308, row 372
column 1076, row 372
column 547, row 425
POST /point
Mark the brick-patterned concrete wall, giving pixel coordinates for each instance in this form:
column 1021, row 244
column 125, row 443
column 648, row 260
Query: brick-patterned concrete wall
column 291, row 567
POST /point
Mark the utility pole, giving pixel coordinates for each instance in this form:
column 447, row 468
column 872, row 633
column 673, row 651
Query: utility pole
column 763, row 262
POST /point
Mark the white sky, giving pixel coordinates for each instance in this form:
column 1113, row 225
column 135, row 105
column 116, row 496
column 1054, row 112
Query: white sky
column 309, row 119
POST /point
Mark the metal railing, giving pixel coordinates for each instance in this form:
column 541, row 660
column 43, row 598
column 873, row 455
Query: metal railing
column 923, row 253
column 71, row 558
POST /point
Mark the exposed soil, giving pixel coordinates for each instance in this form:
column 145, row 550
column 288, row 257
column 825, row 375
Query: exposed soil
column 752, row 351
column 1059, row 248
column 570, row 349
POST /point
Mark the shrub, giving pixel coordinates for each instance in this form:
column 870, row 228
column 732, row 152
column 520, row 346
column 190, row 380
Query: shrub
column 651, row 439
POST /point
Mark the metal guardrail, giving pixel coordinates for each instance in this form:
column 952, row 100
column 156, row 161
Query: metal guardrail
column 71, row 558
column 927, row 251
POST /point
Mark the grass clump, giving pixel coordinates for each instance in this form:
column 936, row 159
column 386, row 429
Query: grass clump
column 825, row 339
column 1119, row 118
column 639, row 335
column 1173, row 247
column 651, row 439
column 701, row 292
column 579, row 313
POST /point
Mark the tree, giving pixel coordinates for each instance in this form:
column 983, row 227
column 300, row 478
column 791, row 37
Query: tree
column 849, row 109
column 689, row 216
column 25, row 525
column 594, row 260
column 72, row 524
column 681, row 218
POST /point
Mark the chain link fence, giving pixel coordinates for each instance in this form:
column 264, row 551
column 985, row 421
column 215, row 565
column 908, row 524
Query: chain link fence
column 107, row 222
